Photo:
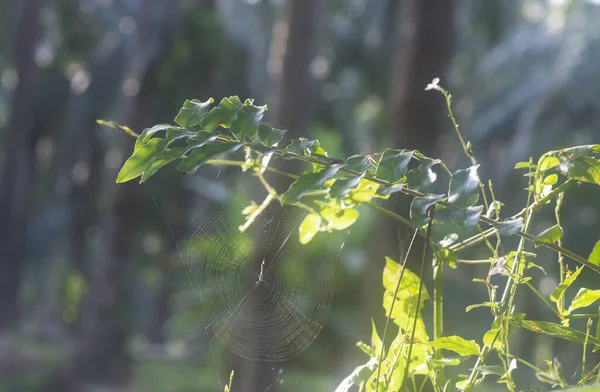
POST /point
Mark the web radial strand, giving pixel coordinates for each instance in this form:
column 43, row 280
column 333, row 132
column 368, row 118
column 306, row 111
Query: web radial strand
column 263, row 294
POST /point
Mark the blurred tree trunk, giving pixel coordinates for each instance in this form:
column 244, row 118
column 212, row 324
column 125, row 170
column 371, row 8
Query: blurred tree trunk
column 101, row 356
column 16, row 179
column 293, row 48
column 423, row 51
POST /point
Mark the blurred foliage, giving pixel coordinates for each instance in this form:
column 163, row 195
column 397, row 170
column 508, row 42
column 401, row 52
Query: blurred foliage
column 523, row 76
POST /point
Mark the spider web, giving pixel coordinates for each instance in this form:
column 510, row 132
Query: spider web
column 264, row 295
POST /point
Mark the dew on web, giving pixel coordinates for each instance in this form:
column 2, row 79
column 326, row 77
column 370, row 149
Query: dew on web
column 261, row 293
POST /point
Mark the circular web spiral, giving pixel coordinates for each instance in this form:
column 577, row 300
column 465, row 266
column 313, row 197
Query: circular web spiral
column 263, row 294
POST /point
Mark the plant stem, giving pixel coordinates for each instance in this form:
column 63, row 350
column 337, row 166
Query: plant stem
column 438, row 303
column 389, row 316
column 394, row 216
column 536, row 291
column 465, row 145
column 561, row 263
column 430, row 212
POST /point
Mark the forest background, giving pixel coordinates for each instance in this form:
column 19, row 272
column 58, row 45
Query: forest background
column 89, row 289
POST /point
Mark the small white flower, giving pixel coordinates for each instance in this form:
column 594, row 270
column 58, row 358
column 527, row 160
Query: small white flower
column 433, row 85
column 499, row 268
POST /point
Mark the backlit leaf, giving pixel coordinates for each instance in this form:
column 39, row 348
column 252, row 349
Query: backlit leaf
column 595, row 255
column 585, row 297
column 555, row 330
column 562, row 287
column 270, row 136
column 308, row 182
column 339, row 219
column 309, row 228
column 376, row 342
column 364, row 192
column 461, row 346
column 193, row 112
column 249, row 117
column 550, row 235
column 208, row 151
column 223, row 114
column 142, row 157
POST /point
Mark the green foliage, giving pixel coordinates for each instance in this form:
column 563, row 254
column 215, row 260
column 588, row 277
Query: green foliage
column 331, row 191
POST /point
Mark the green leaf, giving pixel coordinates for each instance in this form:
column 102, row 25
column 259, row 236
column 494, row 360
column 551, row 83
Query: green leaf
column 302, row 146
column 524, row 165
column 342, row 186
column 376, row 342
column 562, row 287
column 422, row 178
column 580, row 163
column 168, row 155
column 393, row 165
column 193, row 112
column 555, row 330
column 509, row 226
column 410, row 281
column 419, row 207
column 405, row 303
column 142, row 157
column 388, row 190
column 467, row 217
column 370, row 351
column 270, row 136
column 208, row 151
column 547, row 162
column 308, row 182
column 249, row 117
column 551, row 179
column 489, row 336
column 148, row 133
column 595, row 255
column 582, row 169
column 309, row 228
column 462, row 347
column 223, row 114
column 485, row 304
column 464, row 187
column 549, row 236
column 364, row 192
column 339, row 219
column 359, row 163
column 585, row 297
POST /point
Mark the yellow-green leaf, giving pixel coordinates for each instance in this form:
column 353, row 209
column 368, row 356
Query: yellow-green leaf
column 595, row 255
column 461, row 346
column 309, row 228
column 555, row 330
column 142, row 157
column 561, row 288
column 585, row 297
column 339, row 219
column 193, row 112
column 550, row 235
